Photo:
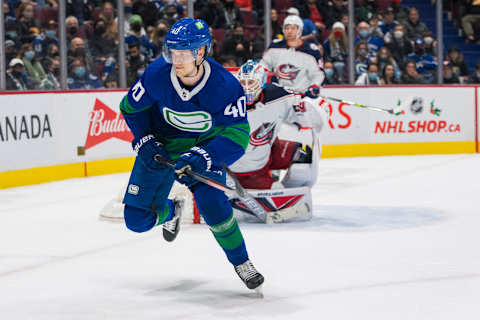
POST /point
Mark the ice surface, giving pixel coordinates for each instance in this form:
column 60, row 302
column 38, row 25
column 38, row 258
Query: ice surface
column 391, row 238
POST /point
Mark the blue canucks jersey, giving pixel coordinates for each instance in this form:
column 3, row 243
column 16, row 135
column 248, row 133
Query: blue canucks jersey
column 212, row 113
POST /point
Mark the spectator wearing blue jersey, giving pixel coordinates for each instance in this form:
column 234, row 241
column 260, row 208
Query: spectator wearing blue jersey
column 364, row 34
column 80, row 78
column 425, row 63
column 370, row 77
column 361, row 58
column 45, row 39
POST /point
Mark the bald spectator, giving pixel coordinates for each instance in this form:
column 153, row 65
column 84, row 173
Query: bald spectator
column 365, row 34
column 414, row 27
column 78, row 50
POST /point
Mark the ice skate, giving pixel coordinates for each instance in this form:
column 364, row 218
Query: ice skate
column 250, row 276
column 172, row 227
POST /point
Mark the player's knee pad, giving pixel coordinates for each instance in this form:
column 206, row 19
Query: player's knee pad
column 139, row 220
column 212, row 204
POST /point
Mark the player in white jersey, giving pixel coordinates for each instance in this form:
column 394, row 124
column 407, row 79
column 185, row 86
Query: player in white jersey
column 268, row 106
column 296, row 64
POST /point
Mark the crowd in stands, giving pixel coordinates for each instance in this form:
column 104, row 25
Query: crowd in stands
column 392, row 44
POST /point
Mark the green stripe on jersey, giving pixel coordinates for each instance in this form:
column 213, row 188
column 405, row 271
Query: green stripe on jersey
column 126, row 107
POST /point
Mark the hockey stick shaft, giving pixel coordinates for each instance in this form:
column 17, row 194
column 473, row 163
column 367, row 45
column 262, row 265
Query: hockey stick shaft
column 197, row 176
column 390, row 111
column 246, row 197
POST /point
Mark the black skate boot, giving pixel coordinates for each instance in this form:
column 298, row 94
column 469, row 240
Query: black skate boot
column 249, row 275
column 172, row 227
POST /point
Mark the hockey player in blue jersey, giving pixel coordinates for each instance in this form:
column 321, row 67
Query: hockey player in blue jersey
column 187, row 108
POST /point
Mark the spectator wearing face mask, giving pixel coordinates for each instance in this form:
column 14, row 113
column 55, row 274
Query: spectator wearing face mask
column 80, row 78
column 414, row 27
column 426, row 64
column 32, row 65
column 236, row 45
column 101, row 45
column 16, row 78
column 399, row 45
column 108, row 15
column 389, row 22
column 78, row 50
column 26, row 20
column 45, row 39
column 411, row 76
column 138, row 35
column 73, row 29
column 361, row 58
column 364, row 34
column 370, row 77
column 157, row 37
column 136, row 63
column 336, row 48
column 330, row 74
column 430, row 43
column 52, row 68
column 384, row 58
column 170, row 13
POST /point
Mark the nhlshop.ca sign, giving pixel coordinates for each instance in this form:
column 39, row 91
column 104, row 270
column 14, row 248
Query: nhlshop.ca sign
column 431, row 114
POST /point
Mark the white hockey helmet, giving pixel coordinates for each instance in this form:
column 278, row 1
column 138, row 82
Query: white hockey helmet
column 294, row 20
column 252, row 77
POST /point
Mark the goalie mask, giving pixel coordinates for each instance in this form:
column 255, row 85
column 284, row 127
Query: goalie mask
column 184, row 40
column 252, row 77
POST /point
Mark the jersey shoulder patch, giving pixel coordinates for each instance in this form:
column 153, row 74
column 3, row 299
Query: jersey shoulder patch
column 273, row 92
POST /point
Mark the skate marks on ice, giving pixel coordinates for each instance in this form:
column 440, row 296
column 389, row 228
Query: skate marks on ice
column 218, row 298
column 362, row 218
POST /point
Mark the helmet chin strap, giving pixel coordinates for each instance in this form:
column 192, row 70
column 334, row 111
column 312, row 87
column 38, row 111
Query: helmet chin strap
column 197, row 67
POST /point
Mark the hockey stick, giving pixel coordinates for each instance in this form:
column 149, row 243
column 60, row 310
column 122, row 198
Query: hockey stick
column 390, row 111
column 195, row 175
column 246, row 197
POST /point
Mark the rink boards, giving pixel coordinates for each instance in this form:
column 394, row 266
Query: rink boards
column 46, row 136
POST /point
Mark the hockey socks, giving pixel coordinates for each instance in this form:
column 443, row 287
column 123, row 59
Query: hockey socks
column 229, row 237
column 166, row 213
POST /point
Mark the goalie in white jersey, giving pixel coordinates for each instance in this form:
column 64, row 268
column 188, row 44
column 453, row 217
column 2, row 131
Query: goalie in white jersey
column 296, row 64
column 268, row 106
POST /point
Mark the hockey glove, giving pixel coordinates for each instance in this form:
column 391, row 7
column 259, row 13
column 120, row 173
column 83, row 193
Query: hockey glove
column 146, row 148
column 313, row 91
column 197, row 159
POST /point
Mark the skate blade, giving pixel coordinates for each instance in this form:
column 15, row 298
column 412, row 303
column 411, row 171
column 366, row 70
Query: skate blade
column 259, row 292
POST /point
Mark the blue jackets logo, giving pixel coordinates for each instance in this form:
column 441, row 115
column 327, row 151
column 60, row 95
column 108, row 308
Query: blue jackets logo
column 197, row 121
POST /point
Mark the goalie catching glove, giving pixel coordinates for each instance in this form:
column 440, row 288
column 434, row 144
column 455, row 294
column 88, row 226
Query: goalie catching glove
column 146, row 148
column 198, row 160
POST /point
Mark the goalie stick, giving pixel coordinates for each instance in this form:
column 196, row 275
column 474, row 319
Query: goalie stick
column 393, row 111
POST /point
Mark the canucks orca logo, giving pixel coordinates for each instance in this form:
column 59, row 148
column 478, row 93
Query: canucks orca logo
column 197, row 121
column 287, row 71
column 262, row 135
